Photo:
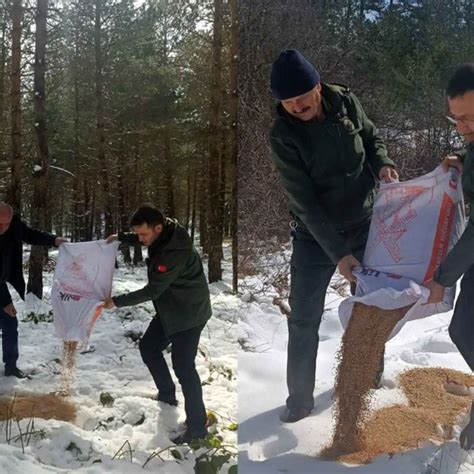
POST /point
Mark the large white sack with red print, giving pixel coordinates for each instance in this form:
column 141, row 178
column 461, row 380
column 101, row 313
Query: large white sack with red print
column 82, row 280
column 414, row 225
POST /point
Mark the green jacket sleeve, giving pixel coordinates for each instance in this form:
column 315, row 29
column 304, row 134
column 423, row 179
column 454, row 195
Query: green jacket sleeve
column 300, row 189
column 164, row 270
column 459, row 259
column 375, row 148
column 461, row 154
column 461, row 256
column 128, row 238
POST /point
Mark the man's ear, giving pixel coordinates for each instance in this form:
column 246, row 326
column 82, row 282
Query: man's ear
column 159, row 228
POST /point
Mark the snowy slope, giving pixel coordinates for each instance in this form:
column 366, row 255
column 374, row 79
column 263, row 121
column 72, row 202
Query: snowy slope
column 115, row 366
column 268, row 446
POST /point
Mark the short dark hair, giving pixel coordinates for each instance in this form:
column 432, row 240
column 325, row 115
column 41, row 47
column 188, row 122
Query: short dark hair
column 461, row 81
column 147, row 214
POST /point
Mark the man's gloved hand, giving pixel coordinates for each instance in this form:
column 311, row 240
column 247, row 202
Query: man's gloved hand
column 10, row 310
column 466, row 438
column 345, row 266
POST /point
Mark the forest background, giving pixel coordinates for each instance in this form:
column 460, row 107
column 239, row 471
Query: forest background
column 106, row 104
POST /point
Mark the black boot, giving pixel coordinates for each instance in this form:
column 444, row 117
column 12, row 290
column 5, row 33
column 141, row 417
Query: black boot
column 189, row 436
column 294, row 414
column 16, row 372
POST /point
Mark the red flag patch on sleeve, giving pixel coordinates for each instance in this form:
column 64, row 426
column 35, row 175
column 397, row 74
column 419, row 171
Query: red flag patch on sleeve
column 162, row 268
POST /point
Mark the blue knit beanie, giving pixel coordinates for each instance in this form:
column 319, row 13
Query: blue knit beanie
column 292, row 75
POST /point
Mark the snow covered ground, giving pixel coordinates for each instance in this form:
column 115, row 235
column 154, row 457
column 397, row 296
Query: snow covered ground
column 268, row 446
column 115, row 366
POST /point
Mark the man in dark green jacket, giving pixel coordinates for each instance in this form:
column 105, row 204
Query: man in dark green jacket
column 178, row 288
column 460, row 260
column 330, row 158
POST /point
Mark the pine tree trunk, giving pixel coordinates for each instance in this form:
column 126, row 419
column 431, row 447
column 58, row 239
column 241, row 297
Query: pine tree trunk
column 194, row 206
column 3, row 125
column 14, row 190
column 3, row 60
column 89, row 211
column 215, row 209
column 170, row 204
column 79, row 225
column 137, row 254
column 223, row 150
column 123, row 217
column 137, row 197
column 188, row 197
column 203, row 211
column 98, row 230
column 234, row 104
column 41, row 167
column 99, row 95
column 76, row 211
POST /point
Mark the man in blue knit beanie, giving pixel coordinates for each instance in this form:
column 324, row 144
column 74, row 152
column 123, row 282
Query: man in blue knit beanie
column 329, row 157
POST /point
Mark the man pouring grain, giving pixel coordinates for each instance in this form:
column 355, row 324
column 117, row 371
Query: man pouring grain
column 178, row 289
column 460, row 260
column 330, row 158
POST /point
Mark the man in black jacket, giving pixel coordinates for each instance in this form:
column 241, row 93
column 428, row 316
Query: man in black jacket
column 13, row 232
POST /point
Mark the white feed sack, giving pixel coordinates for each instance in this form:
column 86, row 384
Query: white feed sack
column 414, row 225
column 82, row 280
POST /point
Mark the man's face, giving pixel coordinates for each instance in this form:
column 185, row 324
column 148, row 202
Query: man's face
column 147, row 234
column 305, row 107
column 5, row 220
column 462, row 112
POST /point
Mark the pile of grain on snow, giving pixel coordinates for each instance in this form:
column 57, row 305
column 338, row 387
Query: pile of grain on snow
column 430, row 415
column 359, row 358
column 68, row 367
column 48, row 407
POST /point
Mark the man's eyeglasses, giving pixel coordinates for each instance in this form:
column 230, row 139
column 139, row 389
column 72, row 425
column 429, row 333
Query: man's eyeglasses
column 456, row 120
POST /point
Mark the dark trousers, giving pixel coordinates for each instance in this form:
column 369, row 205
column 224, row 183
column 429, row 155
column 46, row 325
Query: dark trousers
column 461, row 329
column 311, row 272
column 9, row 327
column 183, row 352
